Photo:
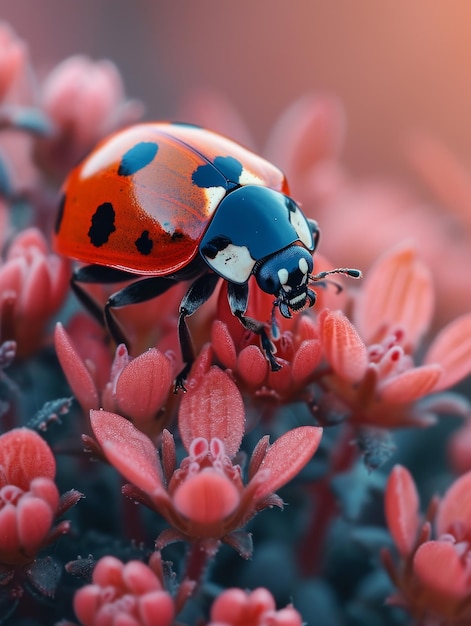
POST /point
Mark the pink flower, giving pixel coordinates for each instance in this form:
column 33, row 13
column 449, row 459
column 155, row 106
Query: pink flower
column 137, row 388
column 33, row 285
column 13, row 58
column 29, row 499
column 85, row 100
column 373, row 371
column 131, row 594
column 434, row 575
column 235, row 607
column 205, row 499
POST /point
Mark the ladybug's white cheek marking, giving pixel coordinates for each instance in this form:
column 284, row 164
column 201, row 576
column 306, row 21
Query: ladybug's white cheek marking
column 302, row 228
column 234, row 263
column 247, row 178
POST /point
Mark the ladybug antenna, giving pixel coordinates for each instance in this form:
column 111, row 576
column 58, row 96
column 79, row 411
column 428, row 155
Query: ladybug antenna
column 321, row 276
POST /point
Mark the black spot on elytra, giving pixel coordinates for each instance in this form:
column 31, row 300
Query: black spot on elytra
column 60, row 213
column 102, row 224
column 215, row 245
column 177, row 234
column 144, row 244
column 225, row 173
column 137, row 157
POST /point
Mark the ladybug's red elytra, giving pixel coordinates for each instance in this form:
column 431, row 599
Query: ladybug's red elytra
column 166, row 202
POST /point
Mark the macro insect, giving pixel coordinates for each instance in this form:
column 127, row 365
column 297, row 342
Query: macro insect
column 160, row 203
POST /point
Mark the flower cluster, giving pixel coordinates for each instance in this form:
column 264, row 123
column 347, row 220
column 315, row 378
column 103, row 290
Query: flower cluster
column 261, row 458
column 29, row 503
column 205, row 499
column 433, row 576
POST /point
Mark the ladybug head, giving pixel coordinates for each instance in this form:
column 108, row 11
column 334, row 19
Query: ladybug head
column 285, row 274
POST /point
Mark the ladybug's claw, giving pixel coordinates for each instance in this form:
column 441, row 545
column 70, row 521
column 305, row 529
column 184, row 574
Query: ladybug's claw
column 179, row 384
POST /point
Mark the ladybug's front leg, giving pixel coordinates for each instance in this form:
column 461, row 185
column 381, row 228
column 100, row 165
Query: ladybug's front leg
column 238, row 296
column 198, row 293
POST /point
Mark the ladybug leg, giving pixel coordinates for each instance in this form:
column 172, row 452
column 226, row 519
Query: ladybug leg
column 238, row 298
column 139, row 291
column 96, row 274
column 198, row 293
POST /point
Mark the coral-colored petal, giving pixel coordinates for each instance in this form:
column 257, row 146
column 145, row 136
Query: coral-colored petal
column 343, row 347
column 261, row 600
column 139, row 578
column 36, row 287
column 402, row 509
column 143, row 385
column 459, row 449
column 74, row 368
column 46, row 489
column 34, row 522
column 252, row 366
column 212, row 407
column 310, row 130
column 24, row 455
column 87, row 601
column 455, row 507
column 280, row 381
column 452, row 350
column 223, row 344
column 206, row 498
column 229, row 606
column 439, row 566
column 306, row 359
column 410, row 385
column 286, row 457
column 9, row 534
column 156, row 608
column 397, row 292
column 109, row 572
column 130, row 451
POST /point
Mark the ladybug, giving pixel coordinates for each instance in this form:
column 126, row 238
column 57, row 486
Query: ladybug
column 165, row 202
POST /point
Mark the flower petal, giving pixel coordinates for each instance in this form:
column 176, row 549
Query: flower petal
column 286, row 457
column 402, row 509
column 252, row 366
column 9, row 534
column 35, row 518
column 212, row 407
column 310, row 130
column 130, row 451
column 139, row 578
column 454, row 513
column 410, row 385
column 397, row 292
column 207, row 497
column 306, row 359
column 77, row 374
column 24, row 455
column 343, row 347
column 439, row 566
column 143, row 385
column 156, row 608
column 452, row 350
column 223, row 344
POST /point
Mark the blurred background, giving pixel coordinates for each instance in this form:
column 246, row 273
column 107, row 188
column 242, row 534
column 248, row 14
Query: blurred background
column 396, row 65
